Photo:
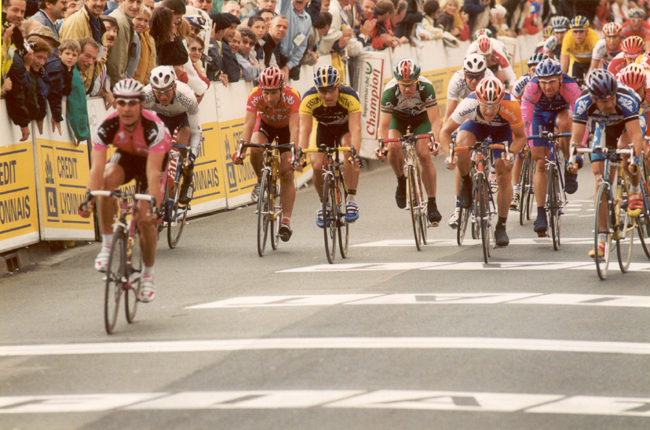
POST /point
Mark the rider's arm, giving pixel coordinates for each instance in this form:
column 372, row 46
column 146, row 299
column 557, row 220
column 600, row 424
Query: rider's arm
column 433, row 113
column 564, row 60
column 595, row 64
column 531, row 95
column 354, row 124
column 445, row 135
column 633, row 129
column 451, row 107
column 306, row 124
column 249, row 125
column 154, row 169
column 294, row 127
column 519, row 134
column 384, row 124
column 96, row 175
column 567, row 45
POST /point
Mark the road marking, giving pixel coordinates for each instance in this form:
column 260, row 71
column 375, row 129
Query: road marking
column 520, row 265
column 217, row 345
column 428, row 299
column 470, row 242
column 467, row 401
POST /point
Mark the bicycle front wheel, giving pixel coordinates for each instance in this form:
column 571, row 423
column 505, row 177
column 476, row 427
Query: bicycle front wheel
column 115, row 275
column 177, row 216
column 603, row 216
column 263, row 214
column 553, row 207
column 330, row 218
column 463, row 220
column 276, row 212
column 483, row 213
column 414, row 206
column 625, row 225
column 343, row 225
column 134, row 269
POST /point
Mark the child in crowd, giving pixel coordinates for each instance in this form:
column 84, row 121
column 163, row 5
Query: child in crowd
column 59, row 78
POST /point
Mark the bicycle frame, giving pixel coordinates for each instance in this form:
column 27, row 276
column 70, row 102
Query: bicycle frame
column 177, row 165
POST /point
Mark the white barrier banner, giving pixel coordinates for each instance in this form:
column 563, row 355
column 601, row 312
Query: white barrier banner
column 370, row 89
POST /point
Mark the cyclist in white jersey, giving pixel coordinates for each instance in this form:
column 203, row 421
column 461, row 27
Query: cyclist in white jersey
column 496, row 55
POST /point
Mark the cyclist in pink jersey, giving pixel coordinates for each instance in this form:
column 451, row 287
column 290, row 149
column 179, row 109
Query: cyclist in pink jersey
column 142, row 142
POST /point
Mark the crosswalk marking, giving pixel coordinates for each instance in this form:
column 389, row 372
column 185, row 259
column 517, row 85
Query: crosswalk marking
column 428, row 299
column 319, row 343
column 468, row 401
column 469, row 242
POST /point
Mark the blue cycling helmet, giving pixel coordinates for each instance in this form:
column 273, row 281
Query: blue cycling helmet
column 580, row 22
column 560, row 23
column 548, row 68
column 535, row 59
column 326, row 76
column 601, row 84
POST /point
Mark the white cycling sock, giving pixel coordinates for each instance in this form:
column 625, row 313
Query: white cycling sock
column 352, row 198
column 635, row 189
column 107, row 240
column 147, row 271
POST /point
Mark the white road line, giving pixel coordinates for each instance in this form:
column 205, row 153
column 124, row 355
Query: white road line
column 470, row 242
column 428, row 299
column 468, row 401
column 217, row 345
column 520, row 265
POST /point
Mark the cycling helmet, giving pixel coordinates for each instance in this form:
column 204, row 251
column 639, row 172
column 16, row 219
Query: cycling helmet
column 484, row 45
column 326, row 76
column 548, row 32
column 474, row 63
column 633, row 76
column 128, row 89
column 271, row 78
column 535, row 59
column 612, row 29
column 548, row 68
column 579, row 22
column 635, row 12
column 406, row 70
column 490, row 90
column 601, row 84
column 633, row 46
column 162, row 77
column 483, row 32
column 560, row 23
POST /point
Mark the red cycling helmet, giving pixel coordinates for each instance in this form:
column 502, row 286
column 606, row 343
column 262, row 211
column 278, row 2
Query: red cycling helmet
column 633, row 46
column 633, row 76
column 484, row 45
column 271, row 78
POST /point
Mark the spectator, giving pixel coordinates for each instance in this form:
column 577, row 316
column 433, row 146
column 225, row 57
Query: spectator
column 334, row 33
column 431, row 8
column 14, row 11
column 479, row 13
column 147, row 47
column 379, row 36
column 321, row 28
column 262, row 5
column 49, row 13
column 215, row 61
column 258, row 25
column 46, row 34
column 59, row 79
column 270, row 43
column 235, row 42
column 230, row 66
column 247, row 7
column 195, row 48
column 368, row 9
column 498, row 21
column 449, row 19
column 250, row 66
column 125, row 48
column 267, row 15
column 110, row 36
column 178, row 9
column 71, row 7
column 28, row 25
column 412, row 16
column 41, row 50
column 85, row 22
column 232, row 7
column 294, row 44
column 204, row 5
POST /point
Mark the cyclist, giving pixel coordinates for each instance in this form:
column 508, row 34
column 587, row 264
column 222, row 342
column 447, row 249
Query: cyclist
column 409, row 101
column 337, row 110
column 175, row 104
column 608, row 47
column 632, row 48
column 547, row 34
column 636, row 24
column 462, row 84
column 578, row 46
column 546, row 105
column 553, row 45
column 612, row 111
column 496, row 56
column 142, row 142
column 272, row 113
column 489, row 111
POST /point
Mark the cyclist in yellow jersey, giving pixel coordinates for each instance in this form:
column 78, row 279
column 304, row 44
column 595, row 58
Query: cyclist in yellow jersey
column 337, row 110
column 578, row 45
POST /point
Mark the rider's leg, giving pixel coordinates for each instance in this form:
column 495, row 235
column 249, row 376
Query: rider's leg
column 316, row 159
column 396, row 160
column 113, row 178
column 288, row 196
column 504, row 179
column 465, row 138
column 564, row 122
column 429, row 179
column 540, row 182
column 257, row 153
column 635, row 200
column 148, row 241
column 350, row 171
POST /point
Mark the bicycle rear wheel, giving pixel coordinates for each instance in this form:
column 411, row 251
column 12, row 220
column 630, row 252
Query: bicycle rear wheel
column 553, row 206
column 263, row 214
column 414, row 206
column 330, row 218
column 463, row 220
column 483, row 213
column 134, row 269
column 343, row 225
column 276, row 208
column 177, row 216
column 115, row 275
column 526, row 184
column 602, row 263
column 625, row 225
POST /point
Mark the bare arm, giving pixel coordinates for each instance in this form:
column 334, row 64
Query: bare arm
column 154, row 169
column 451, row 107
column 354, row 123
column 96, row 175
column 305, row 130
column 384, row 124
column 294, row 127
column 434, row 117
column 445, row 135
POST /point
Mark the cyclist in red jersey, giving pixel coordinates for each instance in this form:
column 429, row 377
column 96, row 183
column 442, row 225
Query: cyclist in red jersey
column 636, row 24
column 272, row 113
column 631, row 48
column 142, row 142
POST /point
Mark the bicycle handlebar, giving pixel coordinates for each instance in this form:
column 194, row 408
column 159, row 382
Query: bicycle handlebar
column 117, row 194
column 548, row 136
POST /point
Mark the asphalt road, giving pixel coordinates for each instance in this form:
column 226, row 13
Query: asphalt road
column 390, row 338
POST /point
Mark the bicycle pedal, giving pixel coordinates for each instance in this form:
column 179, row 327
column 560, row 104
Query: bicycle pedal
column 542, row 234
column 434, row 224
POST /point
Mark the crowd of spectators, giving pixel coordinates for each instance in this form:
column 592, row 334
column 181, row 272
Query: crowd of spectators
column 77, row 49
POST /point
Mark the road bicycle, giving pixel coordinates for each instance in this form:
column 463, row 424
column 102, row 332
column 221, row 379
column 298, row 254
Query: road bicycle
column 269, row 206
column 484, row 207
column 527, row 195
column 335, row 193
column 174, row 213
column 556, row 198
column 611, row 217
column 417, row 204
column 643, row 220
column 125, row 259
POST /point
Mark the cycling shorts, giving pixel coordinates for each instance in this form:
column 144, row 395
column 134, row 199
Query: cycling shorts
column 134, row 166
column 418, row 124
column 331, row 135
column 543, row 121
column 175, row 122
column 579, row 70
column 611, row 135
column 282, row 134
column 483, row 131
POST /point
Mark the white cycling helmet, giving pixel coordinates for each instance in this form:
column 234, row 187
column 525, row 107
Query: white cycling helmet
column 474, row 63
column 128, row 88
column 162, row 77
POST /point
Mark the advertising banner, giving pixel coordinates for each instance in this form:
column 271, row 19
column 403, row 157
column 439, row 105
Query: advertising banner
column 370, row 89
column 18, row 203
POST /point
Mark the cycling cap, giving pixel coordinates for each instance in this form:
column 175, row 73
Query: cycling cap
column 548, row 68
column 128, row 88
column 326, row 76
column 635, row 12
column 601, row 84
column 406, row 70
column 612, row 29
column 483, row 32
column 490, row 90
column 162, row 77
column 560, row 23
column 474, row 63
column 633, row 46
column 535, row 59
column 633, row 76
column 271, row 78
column 579, row 22
column 484, row 45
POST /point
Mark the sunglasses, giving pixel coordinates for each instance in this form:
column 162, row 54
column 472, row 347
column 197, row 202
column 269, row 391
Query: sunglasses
column 490, row 106
column 577, row 31
column 125, row 102
column 473, row 77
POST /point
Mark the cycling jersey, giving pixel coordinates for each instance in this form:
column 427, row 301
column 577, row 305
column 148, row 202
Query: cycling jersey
column 393, row 102
column 278, row 116
column 458, row 88
column 520, row 86
column 183, row 102
column 602, row 53
column 617, row 64
column 150, row 135
column 643, row 32
column 627, row 109
column 347, row 104
column 551, row 45
column 509, row 113
column 580, row 53
column 535, row 100
column 498, row 58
